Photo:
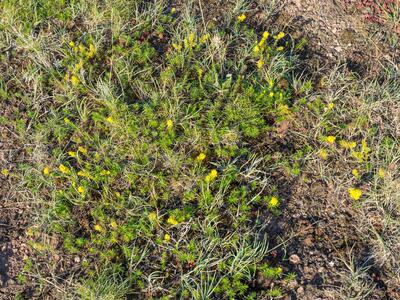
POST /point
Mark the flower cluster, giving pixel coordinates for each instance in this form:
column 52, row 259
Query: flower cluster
column 83, row 53
column 212, row 175
column 263, row 51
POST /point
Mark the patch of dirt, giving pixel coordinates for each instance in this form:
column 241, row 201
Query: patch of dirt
column 376, row 11
column 336, row 31
column 316, row 235
column 13, row 247
column 324, row 235
column 334, row 36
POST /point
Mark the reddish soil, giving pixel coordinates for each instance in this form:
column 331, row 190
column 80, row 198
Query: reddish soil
column 375, row 11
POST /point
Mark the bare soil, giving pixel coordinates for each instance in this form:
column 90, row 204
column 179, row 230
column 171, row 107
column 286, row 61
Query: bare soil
column 13, row 211
column 337, row 33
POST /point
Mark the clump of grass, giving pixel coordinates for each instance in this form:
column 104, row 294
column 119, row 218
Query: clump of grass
column 144, row 139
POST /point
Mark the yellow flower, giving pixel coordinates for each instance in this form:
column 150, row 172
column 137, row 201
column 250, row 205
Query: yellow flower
column 256, row 49
column 271, row 83
column 381, row 173
column 365, row 149
column 191, row 38
column 355, row 194
column 355, row 173
column 323, row 154
column 82, row 150
column 67, row 121
column 98, row 228
column 75, row 80
column 241, row 18
column 331, row 105
column 72, row 153
column 358, row 155
column 5, row 172
column 330, row 139
column 362, row 155
column 201, row 156
column 347, row 145
column 30, row 231
column 284, row 109
column 110, row 119
column 204, row 38
column 172, row 221
column 152, row 216
column 260, row 63
column 64, row 169
column 83, row 173
column 113, row 224
column 167, row 237
column 189, row 42
column 78, row 66
column 279, row 36
column 212, row 175
column 273, row 202
column 105, row 172
column 280, row 48
column 71, row 44
column 92, row 51
column 82, row 49
column 173, row 10
column 97, row 157
column 265, row 35
column 46, row 171
column 170, row 123
column 81, row 189
column 177, row 47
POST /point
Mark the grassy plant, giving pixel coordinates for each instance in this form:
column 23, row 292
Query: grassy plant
column 142, row 142
column 157, row 146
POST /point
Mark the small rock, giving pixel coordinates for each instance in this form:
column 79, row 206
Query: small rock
column 308, row 241
column 292, row 285
column 294, row 259
column 11, row 282
column 308, row 273
column 338, row 49
column 300, row 290
column 266, row 283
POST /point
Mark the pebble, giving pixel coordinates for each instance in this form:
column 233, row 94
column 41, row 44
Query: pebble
column 294, row 259
column 308, row 241
column 300, row 290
